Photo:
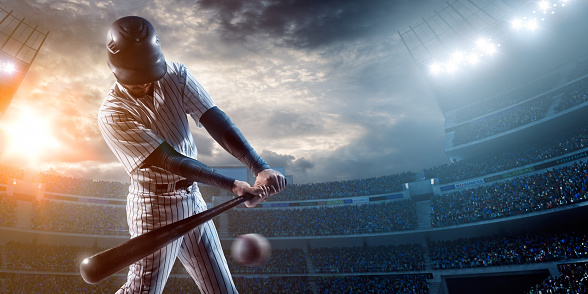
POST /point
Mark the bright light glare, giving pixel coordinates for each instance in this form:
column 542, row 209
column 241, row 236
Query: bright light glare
column 532, row 25
column 484, row 46
column 435, row 68
column 457, row 57
column 451, row 67
column 490, row 49
column 29, row 135
column 544, row 5
column 473, row 58
column 481, row 43
column 8, row 67
column 517, row 24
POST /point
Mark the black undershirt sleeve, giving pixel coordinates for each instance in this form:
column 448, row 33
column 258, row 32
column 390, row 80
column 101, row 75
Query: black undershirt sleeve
column 165, row 157
column 223, row 130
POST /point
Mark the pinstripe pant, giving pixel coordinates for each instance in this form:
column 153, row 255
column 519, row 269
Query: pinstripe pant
column 199, row 251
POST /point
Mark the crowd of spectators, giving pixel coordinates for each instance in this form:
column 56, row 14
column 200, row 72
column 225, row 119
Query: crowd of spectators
column 511, row 98
column 281, row 261
column 553, row 188
column 573, row 95
column 343, row 189
column 503, row 121
column 572, row 280
column 497, row 250
column 386, row 258
column 283, row 285
column 44, row 257
column 57, row 216
column 19, row 283
column 7, row 173
column 547, row 147
column 317, row 221
column 509, row 249
column 104, row 189
column 63, row 216
column 85, row 187
column 539, row 191
column 394, row 284
column 7, row 210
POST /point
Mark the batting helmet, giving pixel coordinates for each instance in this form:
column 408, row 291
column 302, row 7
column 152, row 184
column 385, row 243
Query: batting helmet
column 134, row 52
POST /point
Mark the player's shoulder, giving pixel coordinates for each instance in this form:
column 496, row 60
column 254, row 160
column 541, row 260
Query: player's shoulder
column 176, row 68
column 113, row 102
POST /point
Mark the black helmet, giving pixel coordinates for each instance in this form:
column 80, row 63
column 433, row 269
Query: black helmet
column 134, row 51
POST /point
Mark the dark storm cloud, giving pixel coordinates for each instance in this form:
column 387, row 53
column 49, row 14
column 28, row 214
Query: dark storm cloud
column 305, row 23
column 298, row 166
column 381, row 151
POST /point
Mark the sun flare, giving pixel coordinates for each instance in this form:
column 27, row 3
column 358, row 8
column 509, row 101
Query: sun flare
column 28, row 135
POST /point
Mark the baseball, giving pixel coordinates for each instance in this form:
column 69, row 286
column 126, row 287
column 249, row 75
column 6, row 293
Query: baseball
column 251, row 249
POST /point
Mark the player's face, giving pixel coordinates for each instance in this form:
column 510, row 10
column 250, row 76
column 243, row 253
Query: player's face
column 138, row 90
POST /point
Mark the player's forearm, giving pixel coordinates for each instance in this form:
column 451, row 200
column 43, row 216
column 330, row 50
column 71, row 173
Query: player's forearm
column 167, row 158
column 224, row 131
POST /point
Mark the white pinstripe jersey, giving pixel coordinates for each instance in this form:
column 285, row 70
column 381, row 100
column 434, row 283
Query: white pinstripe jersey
column 134, row 127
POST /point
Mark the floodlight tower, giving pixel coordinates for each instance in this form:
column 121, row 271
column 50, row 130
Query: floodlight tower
column 459, row 34
column 20, row 43
column 485, row 70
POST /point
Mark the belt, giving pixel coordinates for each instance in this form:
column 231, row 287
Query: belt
column 179, row 185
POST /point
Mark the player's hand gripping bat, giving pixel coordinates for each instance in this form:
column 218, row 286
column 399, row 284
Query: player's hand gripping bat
column 106, row 263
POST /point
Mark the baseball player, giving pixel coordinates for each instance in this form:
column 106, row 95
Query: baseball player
column 144, row 121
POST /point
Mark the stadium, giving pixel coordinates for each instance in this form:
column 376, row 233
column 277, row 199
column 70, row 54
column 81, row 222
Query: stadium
column 507, row 215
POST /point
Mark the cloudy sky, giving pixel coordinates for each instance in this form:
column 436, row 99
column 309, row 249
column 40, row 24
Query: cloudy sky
column 325, row 89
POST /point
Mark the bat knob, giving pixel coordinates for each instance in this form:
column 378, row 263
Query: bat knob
column 88, row 271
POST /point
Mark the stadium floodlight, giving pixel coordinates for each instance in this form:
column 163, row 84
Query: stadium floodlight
column 472, row 54
column 486, row 46
column 543, row 5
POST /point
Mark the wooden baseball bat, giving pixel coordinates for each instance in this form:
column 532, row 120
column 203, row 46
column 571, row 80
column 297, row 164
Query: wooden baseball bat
column 106, row 263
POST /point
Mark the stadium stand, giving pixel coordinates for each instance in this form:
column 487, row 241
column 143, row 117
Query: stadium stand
column 341, row 220
column 569, row 141
column 380, row 259
column 557, row 187
column 573, row 279
column 7, row 210
column 509, row 249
